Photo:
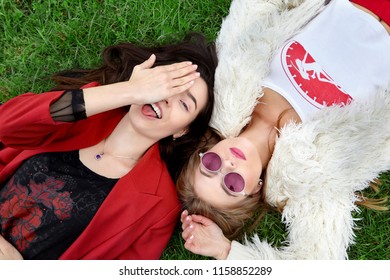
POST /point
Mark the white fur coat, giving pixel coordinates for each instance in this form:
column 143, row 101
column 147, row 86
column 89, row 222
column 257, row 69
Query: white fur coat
column 317, row 166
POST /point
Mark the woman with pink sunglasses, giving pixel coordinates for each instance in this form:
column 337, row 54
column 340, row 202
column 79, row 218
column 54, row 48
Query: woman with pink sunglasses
column 309, row 145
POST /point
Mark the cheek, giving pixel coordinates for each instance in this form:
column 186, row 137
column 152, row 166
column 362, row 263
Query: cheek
column 251, row 174
column 211, row 192
column 176, row 125
column 221, row 147
column 180, row 120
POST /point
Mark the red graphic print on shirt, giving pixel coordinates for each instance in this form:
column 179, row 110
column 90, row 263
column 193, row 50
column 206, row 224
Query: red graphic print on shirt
column 22, row 212
column 310, row 79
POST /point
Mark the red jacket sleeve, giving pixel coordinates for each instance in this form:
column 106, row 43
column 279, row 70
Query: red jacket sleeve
column 25, row 120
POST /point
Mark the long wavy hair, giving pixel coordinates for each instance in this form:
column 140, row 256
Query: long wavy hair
column 118, row 63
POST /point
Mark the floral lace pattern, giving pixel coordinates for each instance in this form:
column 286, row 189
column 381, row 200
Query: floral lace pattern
column 48, row 202
column 25, row 206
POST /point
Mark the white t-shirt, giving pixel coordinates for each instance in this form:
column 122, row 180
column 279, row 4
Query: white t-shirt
column 343, row 54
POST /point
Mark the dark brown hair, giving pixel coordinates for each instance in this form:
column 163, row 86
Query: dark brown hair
column 118, row 63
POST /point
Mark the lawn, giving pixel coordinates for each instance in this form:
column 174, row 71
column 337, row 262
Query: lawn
column 39, row 38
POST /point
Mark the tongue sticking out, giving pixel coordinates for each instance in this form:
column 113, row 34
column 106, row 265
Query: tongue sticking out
column 147, row 110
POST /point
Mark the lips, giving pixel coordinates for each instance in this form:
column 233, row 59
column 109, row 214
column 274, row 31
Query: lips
column 237, row 153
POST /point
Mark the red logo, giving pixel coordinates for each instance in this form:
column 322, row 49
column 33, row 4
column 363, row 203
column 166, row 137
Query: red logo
column 310, row 79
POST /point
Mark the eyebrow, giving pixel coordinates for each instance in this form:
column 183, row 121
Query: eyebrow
column 208, row 176
column 193, row 99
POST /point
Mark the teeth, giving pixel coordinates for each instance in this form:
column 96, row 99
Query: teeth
column 156, row 110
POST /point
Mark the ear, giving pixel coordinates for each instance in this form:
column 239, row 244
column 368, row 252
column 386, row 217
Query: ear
column 180, row 133
column 258, row 187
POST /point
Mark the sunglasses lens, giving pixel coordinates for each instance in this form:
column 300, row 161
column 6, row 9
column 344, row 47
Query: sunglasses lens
column 211, row 161
column 234, row 182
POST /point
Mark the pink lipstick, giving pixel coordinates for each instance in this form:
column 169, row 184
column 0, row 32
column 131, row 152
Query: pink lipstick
column 237, row 153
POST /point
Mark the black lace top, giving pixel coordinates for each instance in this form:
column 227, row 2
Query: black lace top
column 48, row 202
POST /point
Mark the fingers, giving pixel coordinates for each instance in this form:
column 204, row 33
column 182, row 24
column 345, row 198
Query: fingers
column 186, row 223
column 185, row 219
column 181, row 74
column 187, row 227
column 184, row 75
column 183, row 215
column 179, row 66
column 183, row 71
column 148, row 63
column 189, row 245
column 201, row 219
column 187, row 233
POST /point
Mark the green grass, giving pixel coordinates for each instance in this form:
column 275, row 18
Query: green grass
column 39, row 38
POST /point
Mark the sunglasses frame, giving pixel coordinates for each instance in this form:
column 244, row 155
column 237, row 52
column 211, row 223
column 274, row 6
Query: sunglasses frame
column 201, row 155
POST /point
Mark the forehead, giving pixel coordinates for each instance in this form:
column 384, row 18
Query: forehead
column 199, row 90
column 199, row 87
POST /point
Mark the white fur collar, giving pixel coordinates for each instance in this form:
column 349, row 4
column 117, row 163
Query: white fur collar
column 249, row 36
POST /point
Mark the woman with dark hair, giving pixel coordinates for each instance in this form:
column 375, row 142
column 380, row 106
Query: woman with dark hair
column 85, row 168
column 306, row 125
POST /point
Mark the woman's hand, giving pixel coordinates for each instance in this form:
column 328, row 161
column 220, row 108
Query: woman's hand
column 161, row 82
column 146, row 85
column 202, row 236
column 7, row 251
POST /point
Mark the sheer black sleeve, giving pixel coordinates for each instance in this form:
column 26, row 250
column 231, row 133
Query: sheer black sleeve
column 69, row 107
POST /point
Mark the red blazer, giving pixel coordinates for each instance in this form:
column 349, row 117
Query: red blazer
column 137, row 218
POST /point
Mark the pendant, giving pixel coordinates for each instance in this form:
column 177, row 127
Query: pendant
column 99, row 156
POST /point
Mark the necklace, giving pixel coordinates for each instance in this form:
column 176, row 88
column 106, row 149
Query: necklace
column 100, row 155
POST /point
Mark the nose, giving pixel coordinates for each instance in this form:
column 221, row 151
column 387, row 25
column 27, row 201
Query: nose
column 229, row 164
column 168, row 101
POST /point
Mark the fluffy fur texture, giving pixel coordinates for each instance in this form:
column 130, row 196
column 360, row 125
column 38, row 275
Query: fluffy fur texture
column 317, row 166
column 250, row 35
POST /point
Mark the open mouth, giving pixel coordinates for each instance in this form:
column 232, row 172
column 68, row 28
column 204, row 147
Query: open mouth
column 156, row 110
column 152, row 110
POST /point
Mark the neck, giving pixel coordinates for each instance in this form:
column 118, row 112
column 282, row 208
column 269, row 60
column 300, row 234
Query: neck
column 262, row 134
column 265, row 122
column 126, row 142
